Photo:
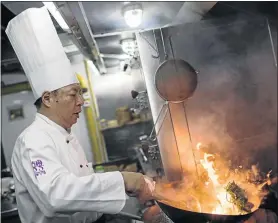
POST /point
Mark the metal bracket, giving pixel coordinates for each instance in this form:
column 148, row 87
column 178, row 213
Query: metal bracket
column 75, row 15
column 155, row 49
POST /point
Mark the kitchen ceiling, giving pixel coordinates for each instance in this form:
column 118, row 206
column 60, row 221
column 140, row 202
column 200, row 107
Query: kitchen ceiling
column 106, row 17
column 101, row 25
column 107, row 23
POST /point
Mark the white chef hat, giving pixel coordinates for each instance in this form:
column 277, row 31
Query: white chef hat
column 40, row 52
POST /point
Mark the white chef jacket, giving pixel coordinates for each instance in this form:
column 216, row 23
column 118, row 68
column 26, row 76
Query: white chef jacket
column 53, row 181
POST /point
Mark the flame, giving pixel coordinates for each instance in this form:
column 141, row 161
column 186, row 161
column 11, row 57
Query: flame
column 208, row 193
column 198, row 146
column 222, row 196
column 224, row 205
column 208, row 165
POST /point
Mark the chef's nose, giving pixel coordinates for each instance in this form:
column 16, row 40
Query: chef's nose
column 80, row 100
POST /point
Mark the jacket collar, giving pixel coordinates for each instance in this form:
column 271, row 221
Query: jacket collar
column 65, row 132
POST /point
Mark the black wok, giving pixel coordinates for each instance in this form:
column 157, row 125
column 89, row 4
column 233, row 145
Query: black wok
column 182, row 216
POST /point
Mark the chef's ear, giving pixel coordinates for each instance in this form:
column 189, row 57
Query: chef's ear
column 47, row 99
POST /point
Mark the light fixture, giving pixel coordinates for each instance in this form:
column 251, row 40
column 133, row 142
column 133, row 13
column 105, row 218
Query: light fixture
column 133, row 15
column 129, row 46
column 56, row 14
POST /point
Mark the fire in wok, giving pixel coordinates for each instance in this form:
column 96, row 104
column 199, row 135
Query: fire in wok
column 219, row 193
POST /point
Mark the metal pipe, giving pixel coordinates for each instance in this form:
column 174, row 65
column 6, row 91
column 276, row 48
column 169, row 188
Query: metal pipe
column 158, row 119
column 81, row 33
column 100, row 138
column 91, row 125
column 272, row 45
column 190, row 138
column 130, row 31
column 99, row 58
column 115, row 56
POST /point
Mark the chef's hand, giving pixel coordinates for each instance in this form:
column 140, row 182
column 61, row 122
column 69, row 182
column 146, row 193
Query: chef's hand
column 263, row 216
column 139, row 185
column 152, row 215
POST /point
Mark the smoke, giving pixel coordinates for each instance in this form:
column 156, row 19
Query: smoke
column 235, row 103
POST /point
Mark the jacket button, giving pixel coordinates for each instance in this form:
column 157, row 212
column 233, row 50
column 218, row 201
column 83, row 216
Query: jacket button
column 81, row 166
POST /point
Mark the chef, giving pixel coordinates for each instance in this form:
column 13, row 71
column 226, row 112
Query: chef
column 53, row 180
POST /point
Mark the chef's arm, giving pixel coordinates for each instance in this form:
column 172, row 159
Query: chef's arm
column 55, row 190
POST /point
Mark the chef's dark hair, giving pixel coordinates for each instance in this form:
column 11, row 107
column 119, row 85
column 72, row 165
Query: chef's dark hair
column 38, row 102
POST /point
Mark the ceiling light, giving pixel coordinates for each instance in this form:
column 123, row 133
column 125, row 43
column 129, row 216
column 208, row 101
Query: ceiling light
column 133, row 15
column 56, row 14
column 129, row 46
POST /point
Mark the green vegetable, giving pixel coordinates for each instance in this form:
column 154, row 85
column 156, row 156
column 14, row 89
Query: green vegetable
column 238, row 197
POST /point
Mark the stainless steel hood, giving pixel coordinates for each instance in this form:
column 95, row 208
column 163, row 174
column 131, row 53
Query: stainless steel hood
column 235, row 103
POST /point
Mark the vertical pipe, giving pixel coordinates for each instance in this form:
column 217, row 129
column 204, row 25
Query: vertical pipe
column 91, row 123
column 182, row 134
column 100, row 137
column 272, row 45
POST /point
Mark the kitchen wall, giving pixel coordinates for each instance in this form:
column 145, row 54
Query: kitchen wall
column 114, row 90
column 12, row 129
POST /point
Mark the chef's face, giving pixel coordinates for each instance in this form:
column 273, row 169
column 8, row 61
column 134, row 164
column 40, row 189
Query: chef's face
column 66, row 104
